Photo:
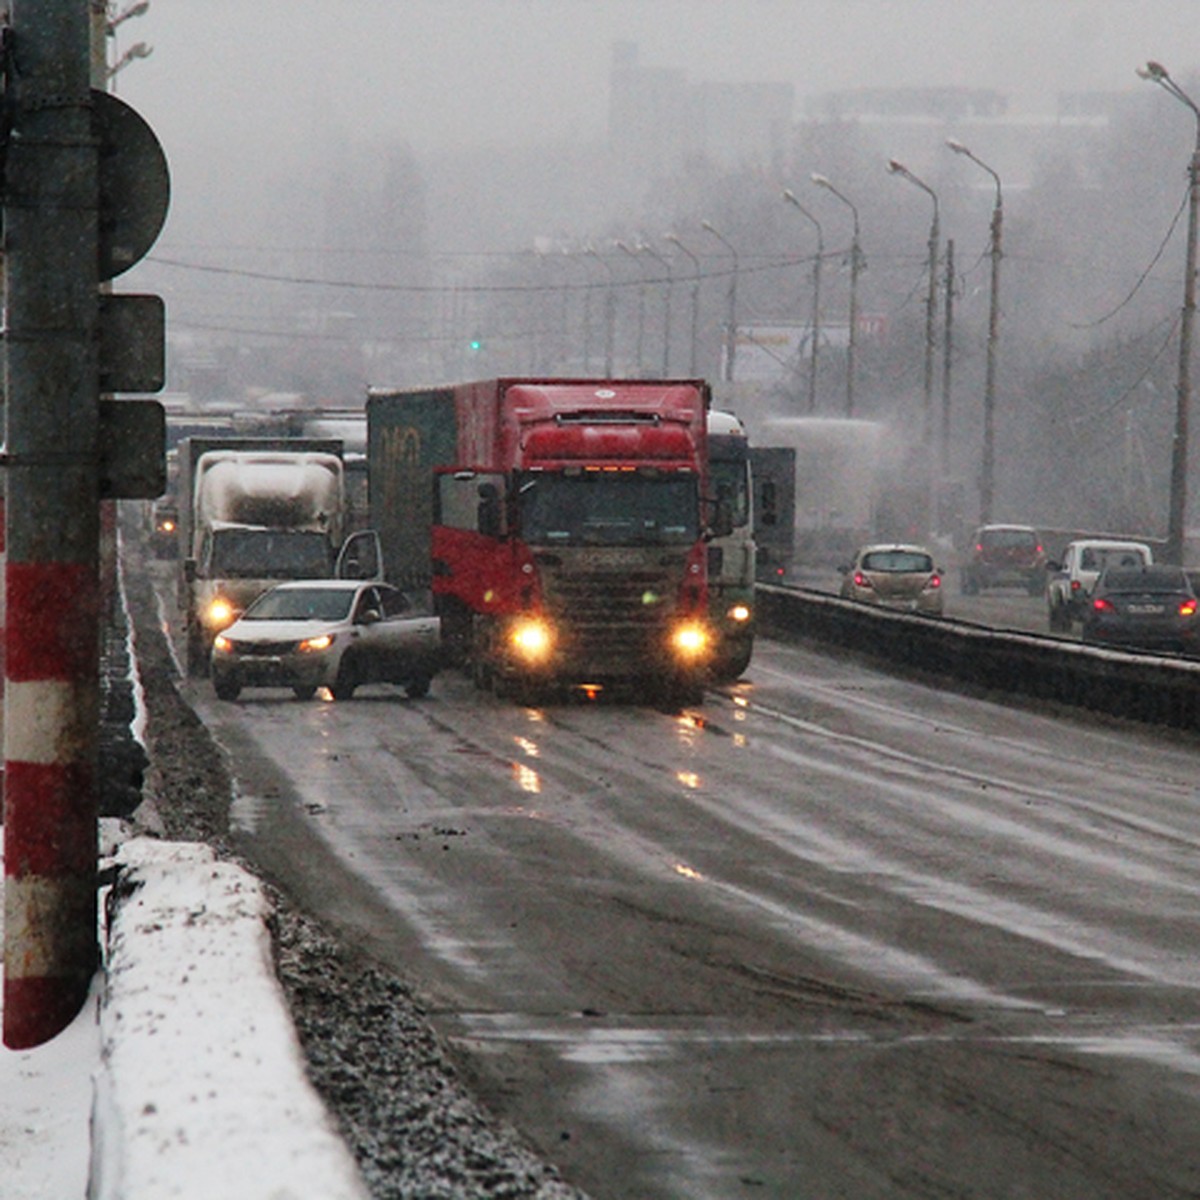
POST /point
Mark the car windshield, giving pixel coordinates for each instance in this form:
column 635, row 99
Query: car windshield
column 995, row 538
column 1145, row 579
column 899, row 561
column 1099, row 558
column 301, row 604
column 269, row 554
column 620, row 508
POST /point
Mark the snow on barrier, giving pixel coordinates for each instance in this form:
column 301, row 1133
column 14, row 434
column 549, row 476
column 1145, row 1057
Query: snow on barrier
column 202, row 1090
column 1147, row 688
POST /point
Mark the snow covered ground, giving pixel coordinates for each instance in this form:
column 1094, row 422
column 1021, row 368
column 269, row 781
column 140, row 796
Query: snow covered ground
column 182, row 1077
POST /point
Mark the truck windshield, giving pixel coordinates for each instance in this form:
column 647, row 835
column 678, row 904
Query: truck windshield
column 608, row 508
column 269, row 554
column 731, row 484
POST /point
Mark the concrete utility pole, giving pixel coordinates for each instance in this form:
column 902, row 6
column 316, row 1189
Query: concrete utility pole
column 695, row 331
column 855, row 271
column 731, row 320
column 815, row 323
column 947, row 356
column 987, row 470
column 52, row 523
column 1177, row 504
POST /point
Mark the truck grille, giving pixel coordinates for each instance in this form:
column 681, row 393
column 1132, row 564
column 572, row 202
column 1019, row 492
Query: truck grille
column 612, row 620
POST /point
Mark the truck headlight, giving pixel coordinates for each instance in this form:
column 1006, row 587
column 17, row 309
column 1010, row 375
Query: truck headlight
column 532, row 639
column 690, row 641
column 219, row 613
column 739, row 613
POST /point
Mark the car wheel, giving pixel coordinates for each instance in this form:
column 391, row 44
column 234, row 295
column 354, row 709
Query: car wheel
column 227, row 687
column 416, row 688
column 346, row 682
column 304, row 691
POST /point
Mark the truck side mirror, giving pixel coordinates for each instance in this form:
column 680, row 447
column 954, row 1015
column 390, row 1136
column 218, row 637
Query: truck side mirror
column 488, row 514
column 722, row 525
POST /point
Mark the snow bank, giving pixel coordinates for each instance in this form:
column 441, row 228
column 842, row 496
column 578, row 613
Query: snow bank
column 201, row 1090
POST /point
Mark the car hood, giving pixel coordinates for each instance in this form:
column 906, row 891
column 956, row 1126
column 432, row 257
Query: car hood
column 280, row 631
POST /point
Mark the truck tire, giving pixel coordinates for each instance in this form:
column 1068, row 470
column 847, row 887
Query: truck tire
column 730, row 667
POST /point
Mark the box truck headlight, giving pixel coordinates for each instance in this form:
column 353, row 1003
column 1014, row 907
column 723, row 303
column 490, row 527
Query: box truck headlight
column 689, row 641
column 531, row 639
column 219, row 613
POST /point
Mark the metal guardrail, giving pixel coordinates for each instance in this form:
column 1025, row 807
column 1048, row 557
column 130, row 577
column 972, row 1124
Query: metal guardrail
column 1139, row 687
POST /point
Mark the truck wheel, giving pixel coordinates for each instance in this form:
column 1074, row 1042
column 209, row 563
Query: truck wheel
column 731, row 667
column 227, row 687
column 347, row 680
column 418, row 687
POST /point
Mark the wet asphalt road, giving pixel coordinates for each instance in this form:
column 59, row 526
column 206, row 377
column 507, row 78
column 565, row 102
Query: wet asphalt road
column 827, row 934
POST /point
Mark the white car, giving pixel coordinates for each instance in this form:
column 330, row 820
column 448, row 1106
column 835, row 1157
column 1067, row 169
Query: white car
column 1070, row 582
column 333, row 633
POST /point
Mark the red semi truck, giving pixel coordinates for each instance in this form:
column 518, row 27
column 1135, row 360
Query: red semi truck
column 560, row 523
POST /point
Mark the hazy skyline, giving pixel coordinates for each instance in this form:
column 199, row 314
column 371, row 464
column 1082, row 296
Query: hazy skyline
column 240, row 90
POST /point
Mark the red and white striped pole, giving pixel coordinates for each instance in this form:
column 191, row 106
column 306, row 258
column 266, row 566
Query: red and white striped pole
column 51, row 711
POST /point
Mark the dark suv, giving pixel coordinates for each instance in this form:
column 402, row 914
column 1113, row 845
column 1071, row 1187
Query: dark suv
column 1005, row 556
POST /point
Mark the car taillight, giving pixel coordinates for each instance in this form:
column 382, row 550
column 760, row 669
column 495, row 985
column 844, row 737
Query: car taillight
column 935, row 581
column 861, row 580
column 1187, row 608
column 1074, row 585
column 1100, row 604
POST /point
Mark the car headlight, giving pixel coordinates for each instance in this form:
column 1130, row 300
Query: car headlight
column 690, row 641
column 219, row 613
column 532, row 639
column 222, row 644
column 321, row 642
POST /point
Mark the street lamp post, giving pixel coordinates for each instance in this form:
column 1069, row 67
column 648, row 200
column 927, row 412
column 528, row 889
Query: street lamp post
column 625, row 248
column 1177, row 505
column 674, row 240
column 646, row 248
column 898, row 168
column 731, row 326
column 815, row 322
column 609, row 310
column 987, row 472
column 855, row 268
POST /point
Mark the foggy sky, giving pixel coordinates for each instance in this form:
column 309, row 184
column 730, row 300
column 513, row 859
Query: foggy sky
column 237, row 89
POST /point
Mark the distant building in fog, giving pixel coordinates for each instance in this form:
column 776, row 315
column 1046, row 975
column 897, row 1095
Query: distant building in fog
column 658, row 118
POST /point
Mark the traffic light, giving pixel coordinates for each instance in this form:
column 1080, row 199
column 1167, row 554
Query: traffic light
column 475, row 344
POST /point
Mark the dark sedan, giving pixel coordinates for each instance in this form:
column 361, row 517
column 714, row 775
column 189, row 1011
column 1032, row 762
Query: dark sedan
column 1150, row 607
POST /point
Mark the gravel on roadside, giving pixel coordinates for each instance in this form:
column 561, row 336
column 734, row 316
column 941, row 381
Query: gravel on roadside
column 371, row 1053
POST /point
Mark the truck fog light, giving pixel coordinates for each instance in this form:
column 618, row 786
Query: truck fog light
column 690, row 641
column 531, row 639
